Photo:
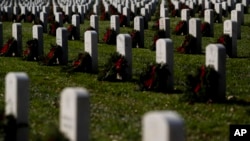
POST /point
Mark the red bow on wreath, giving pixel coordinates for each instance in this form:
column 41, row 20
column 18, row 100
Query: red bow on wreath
column 202, row 75
column 226, row 40
column 181, row 28
column 9, row 48
column 54, row 56
column 122, row 20
column 205, row 29
column 52, row 28
column 110, row 36
column 149, row 82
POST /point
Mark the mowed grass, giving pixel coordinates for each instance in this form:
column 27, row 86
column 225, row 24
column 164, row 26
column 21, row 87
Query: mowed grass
column 117, row 108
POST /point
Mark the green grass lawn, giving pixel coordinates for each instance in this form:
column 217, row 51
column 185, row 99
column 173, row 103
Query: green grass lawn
column 117, row 108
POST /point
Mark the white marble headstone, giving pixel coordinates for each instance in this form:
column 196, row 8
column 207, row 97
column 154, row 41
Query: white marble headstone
column 126, row 12
column 44, row 19
column 245, row 3
column 185, row 15
column 240, row 7
column 230, row 28
column 139, row 26
column 195, row 30
column 23, row 10
column 58, row 18
column 164, row 24
column 124, row 47
column 55, row 9
column 163, row 12
column 96, row 9
column 94, row 22
column 81, row 12
column 90, row 46
column 75, row 114
column 218, row 10
column 76, row 22
column 45, row 9
column 62, row 40
column 236, row 16
column 37, row 31
column 17, row 101
column 216, row 57
column 208, row 4
column 17, row 35
column 209, row 18
column 231, row 4
column 163, row 126
column 165, row 54
column 68, row 11
column 114, row 23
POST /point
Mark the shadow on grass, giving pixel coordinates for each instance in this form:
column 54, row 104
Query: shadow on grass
column 167, row 92
column 240, row 57
column 239, row 102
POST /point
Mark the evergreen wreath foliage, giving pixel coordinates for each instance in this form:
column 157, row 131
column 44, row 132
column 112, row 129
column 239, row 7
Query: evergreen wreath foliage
column 72, row 33
column 202, row 86
column 9, row 126
column 154, row 78
column 82, row 63
column 114, row 69
column 188, row 46
column 54, row 57
column 159, row 34
column 181, row 28
column 135, row 37
column 9, row 48
column 205, row 29
column 226, row 41
column 31, row 52
column 110, row 36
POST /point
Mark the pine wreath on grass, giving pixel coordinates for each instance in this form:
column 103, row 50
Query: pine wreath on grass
column 135, row 37
column 72, row 33
column 159, row 34
column 31, row 52
column 114, row 69
column 181, row 28
column 188, row 46
column 226, row 40
column 154, row 78
column 54, row 57
column 202, row 86
column 205, row 29
column 9, row 48
column 52, row 28
column 122, row 20
column 83, row 63
column 110, row 36
column 9, row 126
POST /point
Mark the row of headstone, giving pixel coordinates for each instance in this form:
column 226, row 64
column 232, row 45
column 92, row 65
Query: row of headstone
column 208, row 4
column 75, row 103
column 146, row 9
column 37, row 9
column 28, row 3
column 138, row 25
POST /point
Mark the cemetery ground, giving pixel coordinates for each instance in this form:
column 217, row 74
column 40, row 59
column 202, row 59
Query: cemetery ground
column 117, row 107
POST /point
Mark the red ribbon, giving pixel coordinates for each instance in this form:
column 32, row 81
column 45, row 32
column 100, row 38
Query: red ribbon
column 148, row 83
